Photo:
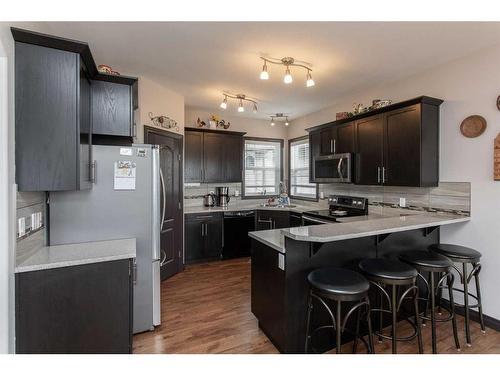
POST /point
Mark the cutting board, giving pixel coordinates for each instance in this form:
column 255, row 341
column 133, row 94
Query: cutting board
column 496, row 159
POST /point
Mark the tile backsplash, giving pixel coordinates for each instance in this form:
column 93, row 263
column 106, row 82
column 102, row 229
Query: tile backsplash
column 29, row 203
column 453, row 196
column 198, row 190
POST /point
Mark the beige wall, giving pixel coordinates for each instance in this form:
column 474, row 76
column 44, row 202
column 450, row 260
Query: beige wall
column 253, row 127
column 159, row 100
column 468, row 86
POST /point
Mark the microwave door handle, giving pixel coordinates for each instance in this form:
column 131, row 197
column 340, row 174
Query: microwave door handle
column 339, row 169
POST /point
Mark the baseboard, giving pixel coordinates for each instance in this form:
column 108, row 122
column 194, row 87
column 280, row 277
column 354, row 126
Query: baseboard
column 474, row 316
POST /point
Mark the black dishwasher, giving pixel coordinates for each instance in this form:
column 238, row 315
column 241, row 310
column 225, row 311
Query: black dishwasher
column 237, row 243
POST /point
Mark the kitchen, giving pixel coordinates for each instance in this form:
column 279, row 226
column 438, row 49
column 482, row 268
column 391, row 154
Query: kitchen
column 198, row 220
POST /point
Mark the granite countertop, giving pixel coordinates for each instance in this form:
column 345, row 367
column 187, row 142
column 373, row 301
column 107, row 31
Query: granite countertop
column 371, row 226
column 241, row 205
column 379, row 221
column 273, row 238
column 76, row 254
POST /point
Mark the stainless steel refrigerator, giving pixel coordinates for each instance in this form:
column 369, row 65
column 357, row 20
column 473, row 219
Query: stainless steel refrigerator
column 123, row 203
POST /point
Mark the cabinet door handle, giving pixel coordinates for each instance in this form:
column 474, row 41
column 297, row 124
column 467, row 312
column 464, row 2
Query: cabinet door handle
column 202, row 230
column 93, row 171
column 378, row 175
column 334, row 146
column 383, row 175
column 331, row 146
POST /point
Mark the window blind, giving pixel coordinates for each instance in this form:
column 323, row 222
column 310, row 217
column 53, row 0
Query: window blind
column 299, row 170
column 262, row 167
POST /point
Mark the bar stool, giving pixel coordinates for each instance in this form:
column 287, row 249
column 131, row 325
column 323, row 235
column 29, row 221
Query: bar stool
column 425, row 261
column 465, row 256
column 339, row 285
column 386, row 272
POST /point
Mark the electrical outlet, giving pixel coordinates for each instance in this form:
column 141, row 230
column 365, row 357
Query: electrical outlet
column 402, row 202
column 21, row 226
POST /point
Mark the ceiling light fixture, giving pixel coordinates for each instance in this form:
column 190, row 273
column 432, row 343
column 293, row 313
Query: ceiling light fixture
column 264, row 74
column 223, row 105
column 287, row 62
column 241, row 99
column 279, row 115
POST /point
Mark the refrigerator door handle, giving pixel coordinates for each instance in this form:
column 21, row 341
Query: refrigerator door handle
column 163, row 257
column 163, row 196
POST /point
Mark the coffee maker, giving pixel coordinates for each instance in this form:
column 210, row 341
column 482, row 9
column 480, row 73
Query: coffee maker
column 222, row 196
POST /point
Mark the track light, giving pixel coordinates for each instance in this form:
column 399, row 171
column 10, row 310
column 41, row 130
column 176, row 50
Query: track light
column 272, row 121
column 287, row 62
column 310, row 81
column 264, row 74
column 286, row 121
column 241, row 99
column 288, row 76
column 223, row 105
column 279, row 116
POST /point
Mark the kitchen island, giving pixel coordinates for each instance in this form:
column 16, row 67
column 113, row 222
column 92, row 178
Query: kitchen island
column 282, row 258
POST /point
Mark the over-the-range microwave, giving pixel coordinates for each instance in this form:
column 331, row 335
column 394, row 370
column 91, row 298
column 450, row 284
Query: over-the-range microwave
column 333, row 168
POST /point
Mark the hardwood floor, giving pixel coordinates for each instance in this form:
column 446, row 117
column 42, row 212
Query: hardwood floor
column 206, row 309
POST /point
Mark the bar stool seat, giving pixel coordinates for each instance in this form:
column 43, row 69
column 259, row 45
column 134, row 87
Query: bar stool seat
column 342, row 283
column 439, row 266
column 426, row 261
column 457, row 253
column 385, row 269
column 338, row 285
column 465, row 256
column 392, row 275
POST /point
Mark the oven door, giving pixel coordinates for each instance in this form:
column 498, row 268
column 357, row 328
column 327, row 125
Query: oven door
column 333, row 168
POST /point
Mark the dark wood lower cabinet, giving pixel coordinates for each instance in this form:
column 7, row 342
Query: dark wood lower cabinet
column 269, row 219
column 203, row 237
column 77, row 309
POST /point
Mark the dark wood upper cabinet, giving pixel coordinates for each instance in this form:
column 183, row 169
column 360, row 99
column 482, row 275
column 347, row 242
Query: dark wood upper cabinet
column 402, row 141
column 213, row 156
column 193, row 158
column 233, row 158
column 57, row 88
column 369, row 143
column 397, row 145
column 112, row 109
column 53, row 130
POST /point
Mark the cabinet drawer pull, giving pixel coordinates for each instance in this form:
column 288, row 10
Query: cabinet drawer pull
column 378, row 175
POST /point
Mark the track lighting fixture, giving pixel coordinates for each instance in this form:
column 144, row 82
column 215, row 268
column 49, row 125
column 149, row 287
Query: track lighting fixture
column 279, row 115
column 287, row 62
column 241, row 99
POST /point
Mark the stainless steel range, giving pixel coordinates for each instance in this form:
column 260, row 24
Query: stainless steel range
column 339, row 206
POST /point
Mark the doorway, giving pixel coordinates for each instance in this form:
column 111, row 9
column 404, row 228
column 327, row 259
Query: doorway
column 171, row 201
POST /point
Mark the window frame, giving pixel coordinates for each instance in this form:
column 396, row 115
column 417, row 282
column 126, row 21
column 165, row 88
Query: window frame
column 276, row 140
column 290, row 141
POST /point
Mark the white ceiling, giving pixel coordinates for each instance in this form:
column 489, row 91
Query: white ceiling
column 201, row 59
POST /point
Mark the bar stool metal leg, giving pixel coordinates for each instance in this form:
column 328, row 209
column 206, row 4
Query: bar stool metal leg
column 466, row 303
column 380, row 317
column 370, row 333
column 355, row 342
column 418, row 323
column 394, row 318
column 433, row 313
column 452, row 309
column 339, row 325
column 478, row 294
column 308, row 323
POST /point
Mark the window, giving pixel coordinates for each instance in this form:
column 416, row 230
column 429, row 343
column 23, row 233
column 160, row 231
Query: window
column 300, row 187
column 262, row 167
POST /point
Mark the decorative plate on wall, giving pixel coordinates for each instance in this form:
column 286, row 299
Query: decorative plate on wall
column 473, row 126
